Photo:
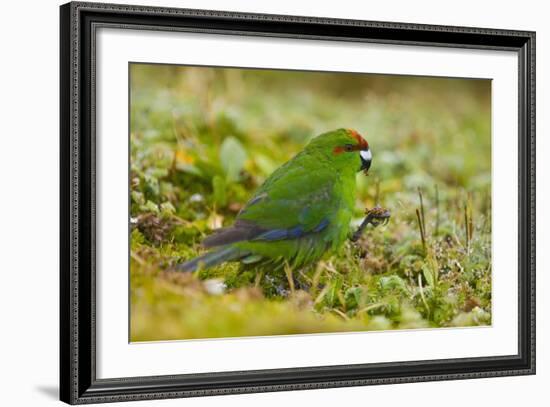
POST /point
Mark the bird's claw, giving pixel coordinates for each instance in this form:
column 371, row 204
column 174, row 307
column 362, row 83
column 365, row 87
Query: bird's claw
column 376, row 216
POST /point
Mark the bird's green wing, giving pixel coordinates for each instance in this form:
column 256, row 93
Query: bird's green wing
column 302, row 197
column 298, row 198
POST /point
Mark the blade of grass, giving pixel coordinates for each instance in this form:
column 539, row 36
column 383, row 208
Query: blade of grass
column 422, row 210
column 466, row 228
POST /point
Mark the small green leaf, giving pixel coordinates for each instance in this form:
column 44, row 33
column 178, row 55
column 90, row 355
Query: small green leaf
column 136, row 239
column 151, row 185
column 353, row 297
column 138, row 197
column 232, row 157
column 428, row 275
column 167, row 209
column 331, row 297
column 393, row 282
column 150, row 206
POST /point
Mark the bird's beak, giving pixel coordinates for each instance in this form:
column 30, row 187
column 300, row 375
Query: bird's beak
column 366, row 160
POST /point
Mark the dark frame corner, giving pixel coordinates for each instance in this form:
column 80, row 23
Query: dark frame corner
column 78, row 382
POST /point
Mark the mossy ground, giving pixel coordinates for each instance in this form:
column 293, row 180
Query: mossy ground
column 202, row 140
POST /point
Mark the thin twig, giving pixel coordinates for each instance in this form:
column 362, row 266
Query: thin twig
column 418, row 217
column 370, row 307
column 258, row 279
column 341, row 314
column 288, row 272
column 137, row 258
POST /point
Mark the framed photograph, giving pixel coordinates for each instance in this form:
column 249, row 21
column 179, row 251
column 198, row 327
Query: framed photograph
column 254, row 203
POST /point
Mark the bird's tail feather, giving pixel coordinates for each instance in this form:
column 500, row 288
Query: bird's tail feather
column 211, row 259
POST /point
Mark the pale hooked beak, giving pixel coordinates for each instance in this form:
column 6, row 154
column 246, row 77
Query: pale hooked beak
column 366, row 159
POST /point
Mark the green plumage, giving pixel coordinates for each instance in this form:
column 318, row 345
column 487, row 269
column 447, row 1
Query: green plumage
column 302, row 211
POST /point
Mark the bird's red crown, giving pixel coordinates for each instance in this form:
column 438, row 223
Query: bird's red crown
column 361, row 142
column 360, row 146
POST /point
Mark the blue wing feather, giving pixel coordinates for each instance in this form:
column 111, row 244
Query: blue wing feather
column 274, row 234
column 322, row 225
column 292, row 233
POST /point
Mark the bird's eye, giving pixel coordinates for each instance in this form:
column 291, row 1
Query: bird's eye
column 348, row 147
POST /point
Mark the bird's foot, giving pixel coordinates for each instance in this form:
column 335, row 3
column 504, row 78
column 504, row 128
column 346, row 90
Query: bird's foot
column 378, row 216
column 375, row 216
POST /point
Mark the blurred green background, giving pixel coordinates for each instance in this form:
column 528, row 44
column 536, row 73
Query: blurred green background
column 203, row 139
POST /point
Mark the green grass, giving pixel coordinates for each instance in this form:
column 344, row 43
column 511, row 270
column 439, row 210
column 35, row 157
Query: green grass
column 202, row 140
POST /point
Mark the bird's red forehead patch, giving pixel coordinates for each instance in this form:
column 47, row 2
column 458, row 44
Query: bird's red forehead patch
column 361, row 142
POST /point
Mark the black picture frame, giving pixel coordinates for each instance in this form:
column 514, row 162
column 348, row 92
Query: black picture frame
column 78, row 382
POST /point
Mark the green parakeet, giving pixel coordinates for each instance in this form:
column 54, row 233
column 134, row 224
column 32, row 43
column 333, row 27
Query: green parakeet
column 302, row 211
